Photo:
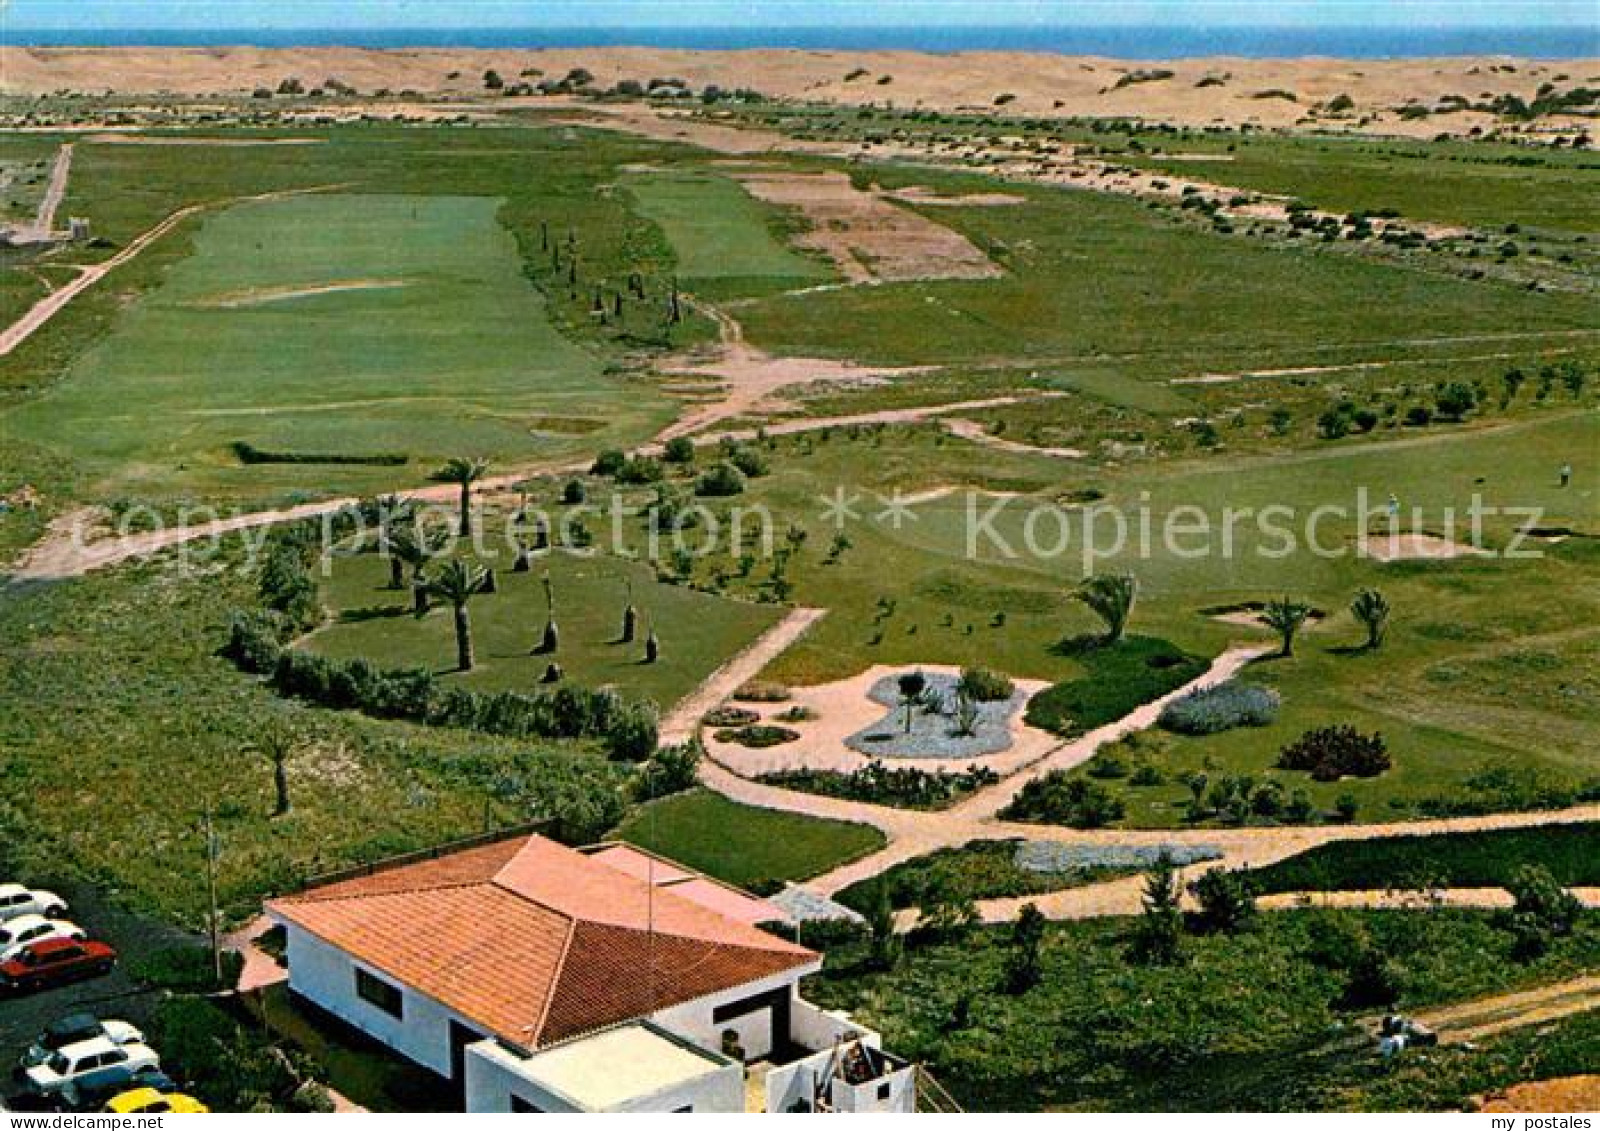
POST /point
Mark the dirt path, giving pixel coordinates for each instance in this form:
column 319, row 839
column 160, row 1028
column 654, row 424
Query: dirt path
column 49, row 306
column 683, row 721
column 978, row 434
column 1475, row 1020
column 43, row 225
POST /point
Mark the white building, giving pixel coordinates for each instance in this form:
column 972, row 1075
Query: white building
column 539, row 978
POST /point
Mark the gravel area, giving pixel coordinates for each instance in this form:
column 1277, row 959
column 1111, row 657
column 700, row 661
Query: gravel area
column 1051, row 856
column 805, row 906
column 933, row 733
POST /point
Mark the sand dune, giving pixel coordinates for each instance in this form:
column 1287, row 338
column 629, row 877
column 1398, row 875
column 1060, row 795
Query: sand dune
column 1235, row 90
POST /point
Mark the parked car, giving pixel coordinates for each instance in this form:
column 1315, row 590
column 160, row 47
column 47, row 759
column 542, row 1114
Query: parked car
column 73, row 1029
column 113, row 1082
column 24, row 929
column 54, row 962
column 149, row 1101
column 88, row 1065
column 17, row 900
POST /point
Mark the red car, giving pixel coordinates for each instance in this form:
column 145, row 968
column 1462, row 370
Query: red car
column 54, row 962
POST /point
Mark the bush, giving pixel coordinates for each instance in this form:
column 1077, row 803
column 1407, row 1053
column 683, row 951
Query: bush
column 985, row 685
column 720, row 481
column 1224, row 706
column 1227, row 900
column 748, row 460
column 763, row 691
column 670, row 770
column 881, row 784
column 1331, row 753
column 634, row 733
column 230, row 1067
column 1059, row 799
column 729, row 716
column 608, row 462
column 1119, row 678
column 187, row 969
column 758, row 737
column 1419, row 415
column 574, row 492
column 640, row 469
column 679, row 449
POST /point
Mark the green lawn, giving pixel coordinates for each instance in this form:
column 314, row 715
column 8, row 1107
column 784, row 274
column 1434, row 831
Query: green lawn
column 756, row 849
column 979, row 869
column 1480, row 859
column 1093, row 278
column 698, row 632
column 718, row 230
column 427, row 320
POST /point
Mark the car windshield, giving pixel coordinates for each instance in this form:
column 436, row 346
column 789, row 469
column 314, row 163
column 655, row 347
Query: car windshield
column 60, row 1065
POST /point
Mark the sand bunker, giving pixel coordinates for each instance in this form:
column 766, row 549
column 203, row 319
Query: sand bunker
column 1405, row 547
column 978, row 434
column 917, row 194
column 262, row 296
column 868, row 238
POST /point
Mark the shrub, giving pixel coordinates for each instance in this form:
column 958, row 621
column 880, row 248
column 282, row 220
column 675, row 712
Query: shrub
column 640, row 469
column 881, row 784
column 762, row 691
column 634, row 732
column 188, row 969
column 1223, row 706
column 1227, row 899
column 574, row 492
column 679, row 449
column 1419, row 415
column 985, row 685
column 255, row 640
column 720, row 481
column 1059, row 799
column 758, row 737
column 748, row 460
column 608, row 462
column 670, row 770
column 1542, row 910
column 1331, row 753
column 729, row 716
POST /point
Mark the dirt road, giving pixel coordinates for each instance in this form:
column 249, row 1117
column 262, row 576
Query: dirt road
column 683, row 720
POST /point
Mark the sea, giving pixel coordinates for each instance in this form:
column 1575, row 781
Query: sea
column 1173, row 42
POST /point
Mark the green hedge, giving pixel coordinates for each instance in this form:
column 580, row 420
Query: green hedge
column 248, row 453
column 1480, row 859
column 1119, row 677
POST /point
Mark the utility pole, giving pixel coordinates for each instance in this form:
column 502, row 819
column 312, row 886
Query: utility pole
column 211, row 892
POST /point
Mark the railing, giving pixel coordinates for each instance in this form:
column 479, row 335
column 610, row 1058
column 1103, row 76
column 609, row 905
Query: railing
column 933, row 1097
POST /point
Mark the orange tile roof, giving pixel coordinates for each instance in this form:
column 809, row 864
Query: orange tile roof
column 536, row 942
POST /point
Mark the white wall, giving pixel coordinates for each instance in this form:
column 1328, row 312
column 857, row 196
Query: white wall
column 326, row 975
column 493, row 1077
column 693, row 1021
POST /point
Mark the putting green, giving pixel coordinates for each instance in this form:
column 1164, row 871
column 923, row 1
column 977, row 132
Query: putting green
column 349, row 325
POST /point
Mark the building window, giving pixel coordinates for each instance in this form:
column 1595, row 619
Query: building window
column 883, row 1090
column 375, row 991
column 523, row 1107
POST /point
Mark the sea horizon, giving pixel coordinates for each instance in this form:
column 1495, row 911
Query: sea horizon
column 1134, row 43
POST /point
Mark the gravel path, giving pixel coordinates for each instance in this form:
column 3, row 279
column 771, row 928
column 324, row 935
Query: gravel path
column 683, row 720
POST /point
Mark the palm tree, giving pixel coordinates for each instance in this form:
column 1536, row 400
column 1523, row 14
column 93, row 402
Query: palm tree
column 464, row 473
column 277, row 742
column 630, row 616
column 1371, row 608
column 1110, row 597
column 415, row 546
column 1285, row 617
column 912, row 685
column 393, row 513
column 458, row 582
column 551, row 640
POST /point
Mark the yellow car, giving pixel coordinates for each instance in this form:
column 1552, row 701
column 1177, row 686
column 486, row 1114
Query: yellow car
column 148, row 1101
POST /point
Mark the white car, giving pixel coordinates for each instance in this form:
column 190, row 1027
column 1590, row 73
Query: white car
column 17, row 900
column 75, row 1029
column 24, row 929
column 87, row 1064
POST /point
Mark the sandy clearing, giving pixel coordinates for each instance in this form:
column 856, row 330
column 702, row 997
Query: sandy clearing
column 978, row 434
column 263, row 296
column 917, row 194
column 1408, row 547
column 843, row 708
column 1563, row 1095
column 869, row 238
column 41, row 229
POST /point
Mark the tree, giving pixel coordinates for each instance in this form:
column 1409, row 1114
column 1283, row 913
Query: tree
column 630, row 616
column 912, row 685
column 416, row 546
column 885, row 945
column 1371, row 608
column 492, row 80
column 1024, row 966
column 1285, row 617
column 464, row 473
column 1542, row 910
column 457, row 583
column 1158, row 939
column 1227, row 899
column 550, row 639
column 679, row 449
column 393, row 512
column 1455, row 400
column 652, row 647
column 1110, row 597
column 1511, row 382
column 277, row 741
